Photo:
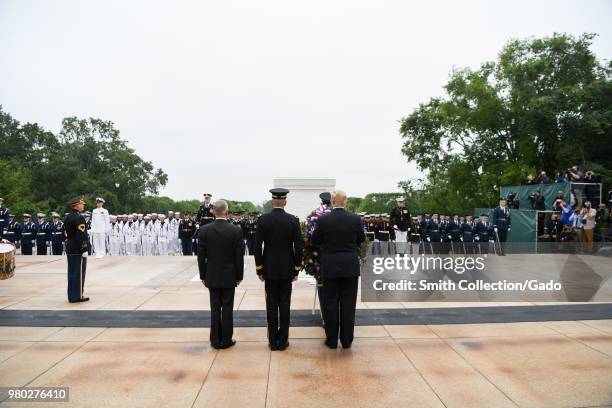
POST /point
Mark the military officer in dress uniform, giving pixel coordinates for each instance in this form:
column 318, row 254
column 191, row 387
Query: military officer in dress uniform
column 4, row 218
column 28, row 235
column 100, row 222
column 278, row 259
column 205, row 212
column 501, row 225
column 43, row 235
column 251, row 231
column 401, row 221
column 77, row 249
column 13, row 232
column 57, row 234
column 453, row 231
column 467, row 235
column 483, row 233
column 187, row 229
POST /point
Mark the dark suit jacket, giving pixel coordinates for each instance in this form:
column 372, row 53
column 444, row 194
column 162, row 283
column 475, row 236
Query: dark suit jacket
column 220, row 254
column 339, row 235
column 281, row 237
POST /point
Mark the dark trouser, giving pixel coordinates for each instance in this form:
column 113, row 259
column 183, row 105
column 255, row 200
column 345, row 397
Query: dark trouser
column 194, row 246
column 340, row 302
column 41, row 247
column 502, row 233
column 251, row 244
column 221, row 317
column 278, row 303
column 57, row 248
column 187, row 246
column 26, row 248
column 77, row 265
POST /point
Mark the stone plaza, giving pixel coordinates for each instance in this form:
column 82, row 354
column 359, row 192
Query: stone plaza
column 142, row 341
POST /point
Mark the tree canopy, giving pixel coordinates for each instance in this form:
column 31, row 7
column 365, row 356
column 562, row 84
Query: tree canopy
column 544, row 104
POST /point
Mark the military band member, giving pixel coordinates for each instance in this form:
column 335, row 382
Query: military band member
column 77, row 248
column 205, row 212
column 43, row 235
column 278, row 260
column 401, row 222
column 57, row 234
column 13, row 232
column 187, row 229
column 501, row 225
column 4, row 218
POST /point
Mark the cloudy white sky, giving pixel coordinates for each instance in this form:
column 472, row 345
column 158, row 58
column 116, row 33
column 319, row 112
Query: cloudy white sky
column 226, row 95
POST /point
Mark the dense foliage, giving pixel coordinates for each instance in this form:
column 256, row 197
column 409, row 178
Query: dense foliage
column 545, row 104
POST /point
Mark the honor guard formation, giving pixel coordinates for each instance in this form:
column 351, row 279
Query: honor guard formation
column 121, row 235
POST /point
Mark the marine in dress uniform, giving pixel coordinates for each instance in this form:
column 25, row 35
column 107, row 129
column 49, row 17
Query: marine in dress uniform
column 401, row 222
column 77, row 248
column 57, row 235
column 278, row 259
column 4, row 218
column 187, row 229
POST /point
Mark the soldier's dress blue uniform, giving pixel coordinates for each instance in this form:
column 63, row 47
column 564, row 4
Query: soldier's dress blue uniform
column 77, row 244
column 501, row 221
column 57, row 237
column 28, row 237
column 43, row 236
column 4, row 220
column 467, row 235
column 483, row 230
column 251, row 231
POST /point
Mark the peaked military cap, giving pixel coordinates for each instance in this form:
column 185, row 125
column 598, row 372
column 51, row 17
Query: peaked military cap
column 54, row 214
column 76, row 200
column 279, row 193
column 325, row 197
column 27, row 215
column 207, row 195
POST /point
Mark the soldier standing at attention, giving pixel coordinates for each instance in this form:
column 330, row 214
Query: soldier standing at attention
column 4, row 218
column 28, row 235
column 251, row 231
column 401, row 221
column 501, row 225
column 278, row 264
column 100, row 223
column 43, row 235
column 77, row 247
column 57, row 235
column 205, row 212
column 187, row 230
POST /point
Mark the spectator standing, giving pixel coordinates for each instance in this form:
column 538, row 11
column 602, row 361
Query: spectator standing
column 560, row 177
column 588, row 215
column 576, row 176
column 543, row 178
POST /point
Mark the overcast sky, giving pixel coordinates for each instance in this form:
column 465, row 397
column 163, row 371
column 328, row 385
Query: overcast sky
column 226, row 95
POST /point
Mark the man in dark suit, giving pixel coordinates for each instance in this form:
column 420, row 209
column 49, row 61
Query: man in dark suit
column 278, row 264
column 221, row 265
column 339, row 236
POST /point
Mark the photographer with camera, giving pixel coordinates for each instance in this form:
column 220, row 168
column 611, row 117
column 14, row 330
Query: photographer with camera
column 560, row 177
column 555, row 205
column 543, row 178
column 537, row 201
column 576, row 176
column 512, row 201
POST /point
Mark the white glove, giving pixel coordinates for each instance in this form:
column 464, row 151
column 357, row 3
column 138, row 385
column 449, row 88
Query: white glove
column 84, row 254
column 477, row 238
column 395, row 227
column 509, row 229
column 495, row 229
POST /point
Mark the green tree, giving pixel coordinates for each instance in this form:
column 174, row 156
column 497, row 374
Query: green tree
column 545, row 104
column 352, row 203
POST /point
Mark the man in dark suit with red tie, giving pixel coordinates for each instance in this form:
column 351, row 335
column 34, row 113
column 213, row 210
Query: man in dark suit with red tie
column 339, row 236
column 221, row 265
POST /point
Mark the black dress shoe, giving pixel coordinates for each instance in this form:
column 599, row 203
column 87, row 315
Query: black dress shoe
column 331, row 345
column 346, row 346
column 272, row 346
column 282, row 346
column 215, row 346
column 228, row 345
column 83, row 299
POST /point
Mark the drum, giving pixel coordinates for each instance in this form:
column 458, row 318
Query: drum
column 7, row 260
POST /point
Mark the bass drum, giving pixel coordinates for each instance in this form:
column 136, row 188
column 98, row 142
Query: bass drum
column 7, row 260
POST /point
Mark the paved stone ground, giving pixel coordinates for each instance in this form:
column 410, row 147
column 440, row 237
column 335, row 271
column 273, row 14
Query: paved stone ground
column 526, row 364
